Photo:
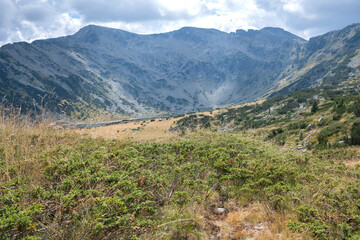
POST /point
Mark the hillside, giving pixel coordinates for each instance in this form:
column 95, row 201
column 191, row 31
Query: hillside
column 327, row 59
column 56, row 184
column 116, row 72
column 182, row 71
column 125, row 73
column 307, row 119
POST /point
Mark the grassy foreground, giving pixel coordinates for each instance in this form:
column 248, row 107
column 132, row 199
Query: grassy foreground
column 56, row 185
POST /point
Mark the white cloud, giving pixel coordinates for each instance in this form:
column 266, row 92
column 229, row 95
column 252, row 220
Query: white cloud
column 292, row 6
column 308, row 18
column 190, row 6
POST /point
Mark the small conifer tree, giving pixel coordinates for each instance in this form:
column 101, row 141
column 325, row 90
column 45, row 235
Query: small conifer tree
column 355, row 134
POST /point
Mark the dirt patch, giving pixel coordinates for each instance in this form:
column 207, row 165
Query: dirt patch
column 352, row 163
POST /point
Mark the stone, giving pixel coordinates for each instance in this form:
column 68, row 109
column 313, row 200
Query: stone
column 220, row 210
column 259, row 227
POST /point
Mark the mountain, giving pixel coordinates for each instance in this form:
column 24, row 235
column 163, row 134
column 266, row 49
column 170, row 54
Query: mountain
column 187, row 70
column 122, row 72
column 327, row 59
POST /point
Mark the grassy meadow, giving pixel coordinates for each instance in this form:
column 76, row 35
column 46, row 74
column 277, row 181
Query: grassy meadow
column 61, row 184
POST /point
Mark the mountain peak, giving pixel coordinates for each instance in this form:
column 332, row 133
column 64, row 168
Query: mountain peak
column 279, row 32
column 272, row 31
column 94, row 33
column 196, row 29
column 90, row 26
column 100, row 29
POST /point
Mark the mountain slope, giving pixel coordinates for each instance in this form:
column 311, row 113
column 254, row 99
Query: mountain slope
column 330, row 58
column 187, row 70
column 121, row 72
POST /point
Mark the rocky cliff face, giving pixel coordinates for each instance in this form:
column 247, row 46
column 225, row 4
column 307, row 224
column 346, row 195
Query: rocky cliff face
column 181, row 71
column 328, row 59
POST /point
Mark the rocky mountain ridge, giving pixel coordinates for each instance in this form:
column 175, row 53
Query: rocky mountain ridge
column 187, row 70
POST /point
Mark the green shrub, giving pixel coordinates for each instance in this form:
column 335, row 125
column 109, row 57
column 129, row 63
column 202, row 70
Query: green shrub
column 329, row 131
column 297, row 125
column 339, row 109
column 280, row 139
column 325, row 121
column 355, row 133
column 273, row 133
column 120, row 190
column 355, row 108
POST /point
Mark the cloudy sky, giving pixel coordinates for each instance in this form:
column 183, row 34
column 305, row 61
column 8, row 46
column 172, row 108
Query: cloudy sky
column 26, row 20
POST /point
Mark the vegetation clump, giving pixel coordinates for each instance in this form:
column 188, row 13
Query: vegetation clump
column 329, row 131
column 56, row 185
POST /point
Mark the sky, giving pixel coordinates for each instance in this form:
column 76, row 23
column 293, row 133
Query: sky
column 28, row 20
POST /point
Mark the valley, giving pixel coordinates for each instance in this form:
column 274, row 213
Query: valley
column 151, row 129
column 104, row 73
column 269, row 149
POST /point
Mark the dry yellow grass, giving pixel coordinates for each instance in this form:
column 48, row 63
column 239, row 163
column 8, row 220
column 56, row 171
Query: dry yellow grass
column 355, row 162
column 256, row 222
column 21, row 141
column 218, row 111
column 147, row 130
column 343, row 120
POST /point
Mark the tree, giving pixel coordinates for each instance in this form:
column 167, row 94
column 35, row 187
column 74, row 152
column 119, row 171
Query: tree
column 314, row 107
column 356, row 108
column 355, row 134
column 207, row 125
column 339, row 109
